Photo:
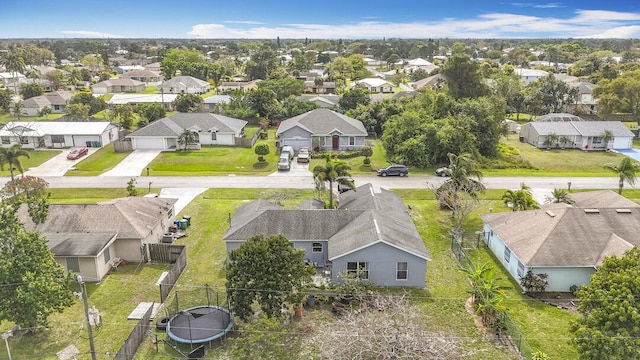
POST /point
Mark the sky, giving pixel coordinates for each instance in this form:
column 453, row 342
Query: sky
column 322, row 19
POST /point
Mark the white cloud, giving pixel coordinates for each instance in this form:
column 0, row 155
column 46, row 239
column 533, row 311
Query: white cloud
column 249, row 22
column 585, row 23
column 622, row 32
column 91, row 34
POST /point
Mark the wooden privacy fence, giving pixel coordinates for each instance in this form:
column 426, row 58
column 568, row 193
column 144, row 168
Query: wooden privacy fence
column 137, row 336
column 171, row 254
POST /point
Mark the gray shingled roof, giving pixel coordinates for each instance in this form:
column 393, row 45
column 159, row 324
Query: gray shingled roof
column 53, row 98
column 188, row 81
column 79, row 244
column 580, row 128
column 118, row 82
column 175, row 124
column 369, row 218
column 323, row 122
column 140, row 73
column 569, row 236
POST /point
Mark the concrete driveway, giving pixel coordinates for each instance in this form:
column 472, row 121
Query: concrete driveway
column 134, row 164
column 632, row 153
column 297, row 169
column 57, row 165
column 184, row 196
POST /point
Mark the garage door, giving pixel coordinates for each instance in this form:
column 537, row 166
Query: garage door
column 81, row 140
column 149, row 143
column 296, row 143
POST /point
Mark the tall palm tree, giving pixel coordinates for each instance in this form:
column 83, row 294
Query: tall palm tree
column 333, row 171
column 626, row 170
column 521, row 199
column 33, row 74
column 13, row 63
column 186, row 138
column 11, row 156
column 462, row 170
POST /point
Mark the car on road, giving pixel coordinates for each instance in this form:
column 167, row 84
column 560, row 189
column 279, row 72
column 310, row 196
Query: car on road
column 344, row 184
column 77, row 153
column 304, row 155
column 443, row 171
column 284, row 163
column 399, row 170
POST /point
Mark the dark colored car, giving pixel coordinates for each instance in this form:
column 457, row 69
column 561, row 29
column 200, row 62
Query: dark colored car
column 399, row 170
column 77, row 153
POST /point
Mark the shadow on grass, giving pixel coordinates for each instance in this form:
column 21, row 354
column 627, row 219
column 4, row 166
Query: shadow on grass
column 261, row 165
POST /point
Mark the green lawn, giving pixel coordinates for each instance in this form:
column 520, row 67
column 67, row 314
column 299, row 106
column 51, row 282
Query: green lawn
column 99, row 162
column 149, row 90
column 36, row 158
column 6, row 117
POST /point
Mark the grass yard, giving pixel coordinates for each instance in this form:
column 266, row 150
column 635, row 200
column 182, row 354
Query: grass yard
column 6, row 117
column 36, row 158
column 99, row 162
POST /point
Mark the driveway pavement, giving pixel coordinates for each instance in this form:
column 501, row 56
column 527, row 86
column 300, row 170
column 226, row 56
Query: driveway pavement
column 297, row 169
column 184, row 196
column 134, row 164
column 57, row 165
column 632, row 153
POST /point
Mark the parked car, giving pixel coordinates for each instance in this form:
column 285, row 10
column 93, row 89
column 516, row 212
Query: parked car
column 304, row 155
column 343, row 184
column 77, row 153
column 283, row 162
column 400, row 170
column 443, row 171
column 288, row 150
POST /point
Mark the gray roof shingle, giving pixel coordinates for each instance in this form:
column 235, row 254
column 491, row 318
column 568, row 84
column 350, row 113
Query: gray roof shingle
column 323, row 122
column 79, row 244
column 175, row 124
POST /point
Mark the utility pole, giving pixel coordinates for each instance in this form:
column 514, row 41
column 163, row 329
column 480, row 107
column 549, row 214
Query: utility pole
column 83, row 293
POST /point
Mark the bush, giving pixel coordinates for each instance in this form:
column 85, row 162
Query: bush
column 574, row 289
column 534, row 282
column 366, row 161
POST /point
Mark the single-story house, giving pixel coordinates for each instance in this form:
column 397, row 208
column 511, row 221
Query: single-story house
column 143, row 75
column 326, row 87
column 209, row 129
column 433, row 81
column 375, row 85
column 322, row 128
column 585, row 135
column 11, row 77
column 184, row 84
column 54, row 134
column 118, row 85
column 133, row 99
column 123, row 69
column 228, row 86
column 530, row 75
column 79, row 234
column 323, row 101
column 57, row 101
column 370, row 235
column 566, row 242
column 215, row 103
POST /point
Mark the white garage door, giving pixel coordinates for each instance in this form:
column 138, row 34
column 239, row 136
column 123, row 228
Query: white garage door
column 81, row 140
column 149, row 143
column 296, row 143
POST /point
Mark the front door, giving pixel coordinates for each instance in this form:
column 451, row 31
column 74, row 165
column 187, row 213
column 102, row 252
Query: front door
column 335, row 144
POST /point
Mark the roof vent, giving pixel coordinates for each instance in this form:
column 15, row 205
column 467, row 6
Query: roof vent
column 551, row 213
column 623, row 211
column 591, row 211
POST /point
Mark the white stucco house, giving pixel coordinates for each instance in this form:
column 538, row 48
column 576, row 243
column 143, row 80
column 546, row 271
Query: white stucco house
column 184, row 85
column 54, row 134
column 209, row 129
column 375, row 85
column 566, row 242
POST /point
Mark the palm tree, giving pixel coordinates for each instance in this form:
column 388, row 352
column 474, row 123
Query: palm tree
column 14, row 63
column 33, row 74
column 559, row 196
column 462, row 170
column 73, row 77
column 332, row 171
column 17, row 108
column 521, row 199
column 551, row 139
column 11, row 156
column 564, row 140
column 607, row 137
column 187, row 138
column 626, row 171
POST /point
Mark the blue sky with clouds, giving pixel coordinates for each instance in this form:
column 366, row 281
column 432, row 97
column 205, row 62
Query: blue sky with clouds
column 329, row 19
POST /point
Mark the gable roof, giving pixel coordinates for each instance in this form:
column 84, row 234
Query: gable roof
column 118, row 82
column 79, row 244
column 130, row 217
column 323, row 122
column 363, row 219
column 142, row 73
column 569, row 236
column 40, row 128
column 373, row 82
column 52, row 98
column 175, row 124
column 583, row 128
column 187, row 81
column 429, row 81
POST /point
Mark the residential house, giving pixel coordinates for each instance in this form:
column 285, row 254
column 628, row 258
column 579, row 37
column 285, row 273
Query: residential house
column 57, row 101
column 155, row 67
column 530, row 75
column 215, row 103
column 58, row 134
column 8, row 78
column 118, row 85
column 323, row 101
column 79, row 234
column 133, row 99
column 322, row 129
column 229, row 86
column 143, row 75
column 566, row 242
column 123, row 69
column 370, row 235
column 585, row 95
column 375, row 85
column 324, row 87
column 184, row 85
column 433, row 81
column 208, row 128
column 574, row 132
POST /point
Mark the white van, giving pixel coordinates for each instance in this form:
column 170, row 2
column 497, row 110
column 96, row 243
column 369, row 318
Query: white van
column 284, row 163
column 288, row 150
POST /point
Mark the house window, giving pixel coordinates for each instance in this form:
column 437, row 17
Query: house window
column 57, row 139
column 402, row 271
column 320, row 140
column 316, row 247
column 73, row 264
column 196, row 137
column 170, row 213
column 359, row 269
column 24, row 140
column 597, row 140
column 214, row 136
column 352, row 140
column 107, row 255
column 6, row 140
column 520, row 269
column 507, row 254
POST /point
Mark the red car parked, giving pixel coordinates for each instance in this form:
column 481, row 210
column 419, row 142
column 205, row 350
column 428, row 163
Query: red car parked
column 77, row 153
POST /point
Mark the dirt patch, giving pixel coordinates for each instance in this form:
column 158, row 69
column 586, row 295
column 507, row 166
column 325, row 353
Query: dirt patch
column 561, row 300
column 477, row 319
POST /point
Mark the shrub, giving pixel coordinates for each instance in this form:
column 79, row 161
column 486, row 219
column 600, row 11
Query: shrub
column 534, row 282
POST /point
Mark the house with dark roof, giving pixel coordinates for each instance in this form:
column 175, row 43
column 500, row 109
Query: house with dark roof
column 575, row 132
column 57, row 101
column 322, row 129
column 323, row 101
column 566, row 242
column 208, row 128
column 184, row 85
column 143, row 75
column 371, row 235
column 117, row 85
column 84, row 238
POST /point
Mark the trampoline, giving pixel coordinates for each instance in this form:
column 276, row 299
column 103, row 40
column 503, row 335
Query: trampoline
column 199, row 324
